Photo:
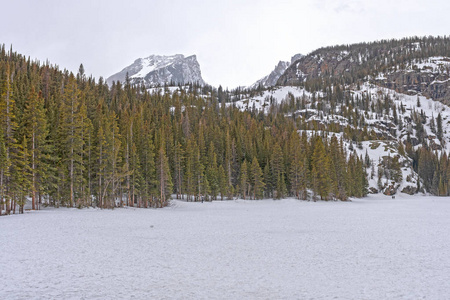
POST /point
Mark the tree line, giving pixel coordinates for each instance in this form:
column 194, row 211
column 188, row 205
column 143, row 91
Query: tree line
column 69, row 140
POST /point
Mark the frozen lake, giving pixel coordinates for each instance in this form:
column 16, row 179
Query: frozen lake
column 372, row 248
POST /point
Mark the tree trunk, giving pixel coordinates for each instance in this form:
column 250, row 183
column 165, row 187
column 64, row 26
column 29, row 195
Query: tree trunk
column 8, row 206
column 33, row 168
column 1, row 192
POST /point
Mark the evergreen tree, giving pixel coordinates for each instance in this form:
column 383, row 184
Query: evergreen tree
column 243, row 180
column 298, row 172
column 21, row 176
column 223, row 182
column 4, row 169
column 257, row 179
column 178, row 169
column 320, row 172
column 37, row 133
column 165, row 185
column 9, row 125
column 148, row 168
column 277, row 170
column 71, row 132
column 189, row 175
column 439, row 132
column 212, row 171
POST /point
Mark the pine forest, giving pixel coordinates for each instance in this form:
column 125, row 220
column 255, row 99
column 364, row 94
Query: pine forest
column 71, row 140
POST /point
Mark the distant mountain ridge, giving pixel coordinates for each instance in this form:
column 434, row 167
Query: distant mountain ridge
column 157, row 70
column 410, row 64
column 272, row 78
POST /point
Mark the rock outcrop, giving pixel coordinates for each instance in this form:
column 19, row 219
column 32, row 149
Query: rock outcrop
column 158, row 70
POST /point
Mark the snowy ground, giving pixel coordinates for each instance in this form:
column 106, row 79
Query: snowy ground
column 372, row 248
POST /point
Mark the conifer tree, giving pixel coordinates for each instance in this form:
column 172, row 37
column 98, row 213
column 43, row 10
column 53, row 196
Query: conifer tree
column 212, row 172
column 298, row 172
column 435, row 183
column 281, row 186
column 21, row 176
column 147, row 160
column 338, row 172
column 223, row 182
column 320, row 170
column 178, row 169
column 165, row 185
column 36, row 132
column 72, row 130
column 8, row 122
column 100, row 157
column 189, row 175
column 277, row 170
column 113, row 172
column 439, row 132
column 202, row 184
column 267, row 175
column 4, row 169
column 257, row 179
column 243, row 180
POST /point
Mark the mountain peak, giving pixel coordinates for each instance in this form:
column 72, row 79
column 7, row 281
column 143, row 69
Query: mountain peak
column 272, row 78
column 160, row 69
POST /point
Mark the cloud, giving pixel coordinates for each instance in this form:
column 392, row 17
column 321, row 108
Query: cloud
column 341, row 6
column 236, row 42
column 350, row 6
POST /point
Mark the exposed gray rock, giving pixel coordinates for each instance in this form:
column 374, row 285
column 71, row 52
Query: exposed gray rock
column 410, row 190
column 272, row 78
column 158, row 70
column 429, row 84
column 373, row 190
column 296, row 57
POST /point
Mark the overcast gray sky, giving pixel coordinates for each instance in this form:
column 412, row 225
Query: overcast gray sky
column 236, row 42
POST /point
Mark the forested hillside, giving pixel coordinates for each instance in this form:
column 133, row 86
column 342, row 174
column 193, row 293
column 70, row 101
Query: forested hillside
column 391, row 92
column 397, row 64
column 69, row 140
column 353, row 119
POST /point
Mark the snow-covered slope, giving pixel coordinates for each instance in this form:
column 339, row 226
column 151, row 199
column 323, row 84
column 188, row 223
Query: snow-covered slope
column 428, row 76
column 429, row 108
column 158, row 70
column 266, row 98
column 389, row 170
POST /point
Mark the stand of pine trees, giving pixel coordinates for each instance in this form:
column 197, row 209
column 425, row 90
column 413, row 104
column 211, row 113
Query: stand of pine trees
column 68, row 140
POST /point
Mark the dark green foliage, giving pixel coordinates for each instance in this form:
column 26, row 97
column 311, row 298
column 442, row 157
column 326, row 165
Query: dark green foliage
column 69, row 140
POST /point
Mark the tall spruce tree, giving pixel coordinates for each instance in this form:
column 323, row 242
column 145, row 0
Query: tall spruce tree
column 243, row 180
column 165, row 185
column 257, row 179
column 37, row 133
column 320, row 172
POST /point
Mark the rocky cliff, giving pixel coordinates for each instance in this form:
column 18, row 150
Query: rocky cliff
column 158, row 70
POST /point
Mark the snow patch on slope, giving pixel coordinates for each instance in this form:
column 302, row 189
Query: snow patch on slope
column 269, row 97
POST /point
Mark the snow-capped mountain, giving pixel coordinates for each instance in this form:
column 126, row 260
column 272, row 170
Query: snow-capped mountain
column 272, row 78
column 158, row 69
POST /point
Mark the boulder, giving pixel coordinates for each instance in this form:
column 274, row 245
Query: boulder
column 410, row 190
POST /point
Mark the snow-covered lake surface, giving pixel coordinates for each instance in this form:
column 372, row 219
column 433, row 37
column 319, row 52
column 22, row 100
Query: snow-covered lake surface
column 372, row 248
